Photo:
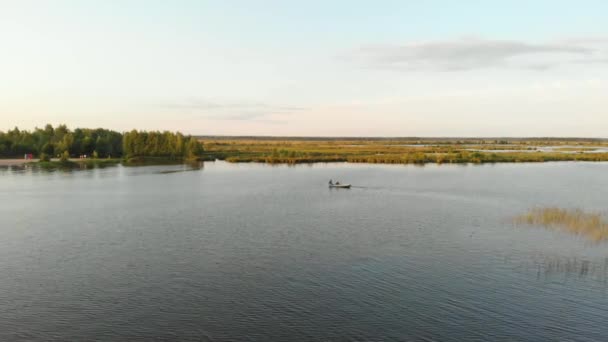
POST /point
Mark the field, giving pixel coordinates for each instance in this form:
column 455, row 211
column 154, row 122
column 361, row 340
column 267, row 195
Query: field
column 403, row 150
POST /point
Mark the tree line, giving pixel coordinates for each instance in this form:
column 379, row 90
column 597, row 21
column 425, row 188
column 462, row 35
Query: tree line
column 102, row 143
column 160, row 144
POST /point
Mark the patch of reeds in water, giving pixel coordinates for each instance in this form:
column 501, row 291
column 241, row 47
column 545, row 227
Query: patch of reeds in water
column 575, row 221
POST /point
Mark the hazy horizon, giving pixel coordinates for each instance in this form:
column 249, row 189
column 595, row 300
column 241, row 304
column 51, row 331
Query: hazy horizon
column 330, row 137
column 464, row 69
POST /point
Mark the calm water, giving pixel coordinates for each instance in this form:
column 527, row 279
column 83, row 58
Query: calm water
column 550, row 149
column 260, row 253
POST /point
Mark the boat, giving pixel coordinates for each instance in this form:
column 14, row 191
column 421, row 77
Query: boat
column 342, row 186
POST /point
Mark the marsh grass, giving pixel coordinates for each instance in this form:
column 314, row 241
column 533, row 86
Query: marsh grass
column 575, row 221
column 381, row 151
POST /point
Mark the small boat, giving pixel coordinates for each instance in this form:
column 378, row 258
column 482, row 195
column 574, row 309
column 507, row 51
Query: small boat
column 343, row 186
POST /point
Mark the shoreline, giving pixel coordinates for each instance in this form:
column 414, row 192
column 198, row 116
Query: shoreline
column 296, row 161
column 77, row 162
column 15, row 162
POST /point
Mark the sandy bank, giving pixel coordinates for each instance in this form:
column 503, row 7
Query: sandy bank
column 5, row 162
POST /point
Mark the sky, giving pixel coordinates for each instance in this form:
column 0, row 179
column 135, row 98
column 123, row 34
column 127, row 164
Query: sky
column 308, row 68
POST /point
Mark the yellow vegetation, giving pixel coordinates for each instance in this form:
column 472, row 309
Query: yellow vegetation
column 386, row 151
column 576, row 221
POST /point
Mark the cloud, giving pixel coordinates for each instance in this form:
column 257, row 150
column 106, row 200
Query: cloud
column 474, row 53
column 232, row 110
column 591, row 61
column 586, row 41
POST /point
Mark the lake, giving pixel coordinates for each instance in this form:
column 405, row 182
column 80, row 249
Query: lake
column 253, row 252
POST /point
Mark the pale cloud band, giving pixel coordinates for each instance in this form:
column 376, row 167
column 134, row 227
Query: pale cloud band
column 232, row 110
column 474, row 53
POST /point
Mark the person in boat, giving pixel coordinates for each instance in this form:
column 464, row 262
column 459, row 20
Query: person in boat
column 331, row 182
column 337, row 183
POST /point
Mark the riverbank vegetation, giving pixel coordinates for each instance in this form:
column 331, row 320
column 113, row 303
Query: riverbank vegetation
column 141, row 148
column 54, row 141
column 403, row 151
column 575, row 221
column 160, row 145
column 51, row 143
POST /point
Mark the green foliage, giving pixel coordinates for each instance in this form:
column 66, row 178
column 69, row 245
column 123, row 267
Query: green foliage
column 55, row 141
column 194, row 149
column 65, row 156
column 48, row 148
column 98, row 143
column 161, row 144
column 44, row 157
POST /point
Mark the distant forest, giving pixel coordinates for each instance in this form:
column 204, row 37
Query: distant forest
column 99, row 142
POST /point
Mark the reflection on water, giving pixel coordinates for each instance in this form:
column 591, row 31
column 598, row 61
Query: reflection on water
column 15, row 168
column 35, row 168
column 563, row 268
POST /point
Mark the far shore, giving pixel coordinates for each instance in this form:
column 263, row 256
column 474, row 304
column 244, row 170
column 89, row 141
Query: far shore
column 397, row 151
column 405, row 151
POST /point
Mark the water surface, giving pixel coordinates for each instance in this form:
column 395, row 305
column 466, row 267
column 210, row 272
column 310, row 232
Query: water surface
column 259, row 252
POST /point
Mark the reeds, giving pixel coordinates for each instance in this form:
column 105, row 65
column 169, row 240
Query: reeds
column 575, row 221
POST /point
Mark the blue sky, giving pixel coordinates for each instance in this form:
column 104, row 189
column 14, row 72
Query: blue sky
column 349, row 68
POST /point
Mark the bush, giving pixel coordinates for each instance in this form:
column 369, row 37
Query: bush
column 44, row 157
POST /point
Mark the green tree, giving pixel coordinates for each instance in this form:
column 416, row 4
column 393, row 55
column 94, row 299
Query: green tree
column 194, row 149
column 48, row 148
column 87, row 145
column 65, row 156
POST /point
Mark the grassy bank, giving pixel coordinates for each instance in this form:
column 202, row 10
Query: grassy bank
column 394, row 151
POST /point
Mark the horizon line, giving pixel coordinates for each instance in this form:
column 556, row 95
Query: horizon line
column 302, row 137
